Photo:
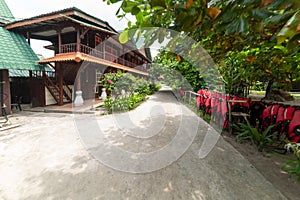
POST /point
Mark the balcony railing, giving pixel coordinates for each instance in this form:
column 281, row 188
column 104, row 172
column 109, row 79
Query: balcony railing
column 72, row 47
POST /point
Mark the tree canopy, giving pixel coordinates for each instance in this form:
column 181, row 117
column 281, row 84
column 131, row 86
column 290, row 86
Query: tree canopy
column 250, row 40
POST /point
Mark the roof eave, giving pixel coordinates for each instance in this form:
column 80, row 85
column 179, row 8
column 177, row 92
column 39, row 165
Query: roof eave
column 35, row 20
column 58, row 14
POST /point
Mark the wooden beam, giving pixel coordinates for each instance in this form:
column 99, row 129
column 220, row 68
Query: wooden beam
column 83, row 33
column 37, row 20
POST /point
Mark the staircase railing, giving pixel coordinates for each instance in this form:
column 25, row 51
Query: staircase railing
column 67, row 91
column 53, row 89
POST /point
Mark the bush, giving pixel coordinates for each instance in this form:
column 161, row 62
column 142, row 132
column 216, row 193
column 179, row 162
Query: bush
column 247, row 132
column 137, row 88
column 116, row 82
column 293, row 166
column 125, row 103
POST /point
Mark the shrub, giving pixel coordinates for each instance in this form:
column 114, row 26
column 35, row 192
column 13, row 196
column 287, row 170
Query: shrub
column 293, row 166
column 247, row 132
column 116, row 82
column 125, row 103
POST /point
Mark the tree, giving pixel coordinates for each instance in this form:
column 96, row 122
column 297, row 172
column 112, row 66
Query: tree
column 177, row 72
column 254, row 40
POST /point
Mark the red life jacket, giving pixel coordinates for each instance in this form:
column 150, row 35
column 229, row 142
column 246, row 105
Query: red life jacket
column 266, row 117
column 294, row 128
column 274, row 111
column 280, row 120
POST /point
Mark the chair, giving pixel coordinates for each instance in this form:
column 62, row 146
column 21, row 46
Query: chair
column 17, row 103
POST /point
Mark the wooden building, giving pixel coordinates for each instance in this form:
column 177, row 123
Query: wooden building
column 84, row 47
column 16, row 57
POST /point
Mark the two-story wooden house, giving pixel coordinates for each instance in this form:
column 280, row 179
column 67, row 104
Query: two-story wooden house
column 79, row 42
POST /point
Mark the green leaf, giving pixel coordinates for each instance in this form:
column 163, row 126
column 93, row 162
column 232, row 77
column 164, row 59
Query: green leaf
column 229, row 16
column 160, row 3
column 123, row 37
column 135, row 10
column 260, row 14
column 128, row 5
column 115, row 1
column 168, row 3
column 293, row 43
column 238, row 26
column 282, row 48
column 290, row 29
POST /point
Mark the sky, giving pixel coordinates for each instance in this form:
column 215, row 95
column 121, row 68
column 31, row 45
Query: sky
column 22, row 9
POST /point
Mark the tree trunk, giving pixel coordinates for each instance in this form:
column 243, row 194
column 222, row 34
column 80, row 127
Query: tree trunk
column 269, row 89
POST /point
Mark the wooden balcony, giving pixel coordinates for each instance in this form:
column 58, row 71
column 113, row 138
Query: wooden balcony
column 72, row 47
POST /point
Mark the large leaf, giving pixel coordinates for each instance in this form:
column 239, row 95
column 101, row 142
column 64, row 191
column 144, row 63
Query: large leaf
column 240, row 25
column 260, row 13
column 229, row 16
column 127, row 6
column 290, row 29
column 123, row 37
column 135, row 10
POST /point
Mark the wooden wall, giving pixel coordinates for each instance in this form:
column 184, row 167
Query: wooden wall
column 6, row 92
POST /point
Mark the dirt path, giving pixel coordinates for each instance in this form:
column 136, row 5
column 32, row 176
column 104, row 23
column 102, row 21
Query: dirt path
column 46, row 158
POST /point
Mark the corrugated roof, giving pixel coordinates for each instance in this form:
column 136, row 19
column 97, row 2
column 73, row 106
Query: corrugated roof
column 78, row 57
column 88, row 25
column 5, row 13
column 25, row 73
column 15, row 52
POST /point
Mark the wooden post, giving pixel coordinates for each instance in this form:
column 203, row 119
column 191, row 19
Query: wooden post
column 104, row 43
column 78, row 40
column 60, row 83
column 229, row 116
column 28, row 37
column 78, row 82
column 59, row 40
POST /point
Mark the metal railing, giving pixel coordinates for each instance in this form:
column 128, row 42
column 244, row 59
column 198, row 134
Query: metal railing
column 189, row 94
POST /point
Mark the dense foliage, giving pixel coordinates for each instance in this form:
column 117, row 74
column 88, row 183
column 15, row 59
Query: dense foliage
column 134, row 90
column 252, row 41
column 176, row 72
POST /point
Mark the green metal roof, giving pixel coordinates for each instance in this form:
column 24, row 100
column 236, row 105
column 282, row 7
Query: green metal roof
column 25, row 73
column 15, row 52
column 5, row 12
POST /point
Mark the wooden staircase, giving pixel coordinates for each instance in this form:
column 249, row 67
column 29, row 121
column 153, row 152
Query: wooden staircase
column 53, row 88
